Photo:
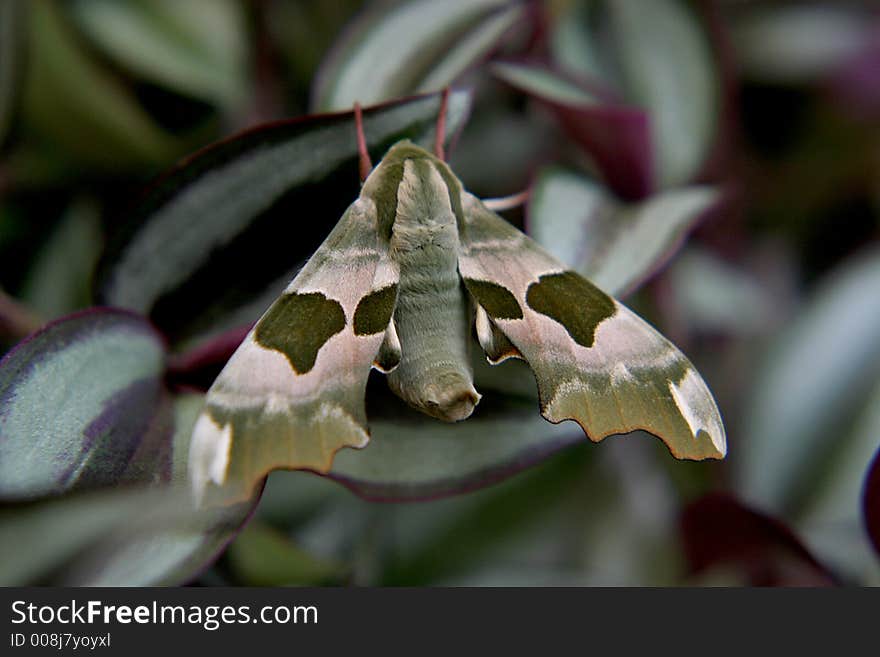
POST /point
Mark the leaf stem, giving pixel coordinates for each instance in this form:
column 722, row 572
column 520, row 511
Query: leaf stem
column 16, row 320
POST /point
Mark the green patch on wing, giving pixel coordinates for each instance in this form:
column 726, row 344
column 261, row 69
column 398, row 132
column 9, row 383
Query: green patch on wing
column 298, row 325
column 657, row 397
column 572, row 301
column 497, row 300
column 374, row 311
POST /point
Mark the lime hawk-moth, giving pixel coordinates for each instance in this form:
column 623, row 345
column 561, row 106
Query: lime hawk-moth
column 416, row 266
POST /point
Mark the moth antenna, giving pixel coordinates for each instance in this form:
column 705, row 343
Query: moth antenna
column 440, row 139
column 364, row 163
column 507, row 202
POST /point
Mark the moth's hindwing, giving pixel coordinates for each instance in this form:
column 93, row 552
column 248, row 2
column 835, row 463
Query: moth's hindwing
column 595, row 361
column 293, row 392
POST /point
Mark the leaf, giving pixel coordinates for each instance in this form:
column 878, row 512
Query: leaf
column 164, row 551
column 38, row 538
column 616, row 136
column 400, row 48
column 59, row 280
column 573, row 46
column 666, row 66
column 871, row 502
column 799, row 43
column 615, row 245
column 266, row 197
column 831, row 522
column 13, row 28
column 717, row 529
column 179, row 44
column 79, row 107
column 657, row 60
column 82, row 405
column 439, row 539
column 411, row 457
column 813, row 382
column 262, row 556
column 717, row 297
column 544, row 83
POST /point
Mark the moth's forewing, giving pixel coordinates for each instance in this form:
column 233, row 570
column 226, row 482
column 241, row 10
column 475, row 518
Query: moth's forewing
column 595, row 361
column 292, row 395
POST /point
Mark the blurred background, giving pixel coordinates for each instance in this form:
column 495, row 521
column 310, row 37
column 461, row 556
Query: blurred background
column 752, row 128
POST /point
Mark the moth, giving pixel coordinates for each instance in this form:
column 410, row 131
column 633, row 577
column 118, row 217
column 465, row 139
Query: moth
column 416, row 266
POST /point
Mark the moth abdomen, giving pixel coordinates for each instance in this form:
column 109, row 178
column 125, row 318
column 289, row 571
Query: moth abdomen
column 432, row 315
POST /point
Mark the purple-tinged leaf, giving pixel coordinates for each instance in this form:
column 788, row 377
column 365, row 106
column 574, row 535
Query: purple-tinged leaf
column 411, row 457
column 163, row 550
column 82, row 405
column 871, row 502
column 267, row 198
column 665, row 65
column 199, row 366
column 718, row 530
column 119, row 535
column 656, row 57
column 855, row 84
column 616, row 136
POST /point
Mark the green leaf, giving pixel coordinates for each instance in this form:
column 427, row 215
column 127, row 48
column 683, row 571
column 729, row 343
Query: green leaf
column 832, row 522
column 573, row 45
column 814, row 381
column 165, row 551
column 399, row 48
column 267, row 197
column 439, row 539
column 615, row 245
column 800, row 43
column 543, row 83
column 40, row 538
column 59, row 280
column 262, row 556
column 78, row 106
column 666, row 66
column 194, row 50
column 13, row 28
column 82, row 405
column 715, row 296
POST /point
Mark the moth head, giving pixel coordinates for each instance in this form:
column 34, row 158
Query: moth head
column 451, row 398
column 447, row 394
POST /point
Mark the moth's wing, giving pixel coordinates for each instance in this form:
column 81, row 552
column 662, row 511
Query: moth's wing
column 595, row 361
column 293, row 392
